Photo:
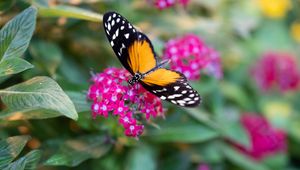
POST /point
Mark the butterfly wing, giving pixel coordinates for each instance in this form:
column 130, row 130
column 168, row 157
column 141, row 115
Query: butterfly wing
column 135, row 51
column 171, row 86
column 132, row 47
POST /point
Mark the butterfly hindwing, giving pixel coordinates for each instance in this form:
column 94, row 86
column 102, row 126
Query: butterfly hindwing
column 171, row 86
column 132, row 47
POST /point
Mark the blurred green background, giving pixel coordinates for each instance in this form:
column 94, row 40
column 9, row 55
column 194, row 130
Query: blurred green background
column 51, row 48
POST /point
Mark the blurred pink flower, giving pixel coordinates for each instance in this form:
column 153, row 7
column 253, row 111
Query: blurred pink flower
column 203, row 166
column 163, row 4
column 110, row 93
column 190, row 55
column 279, row 69
column 265, row 139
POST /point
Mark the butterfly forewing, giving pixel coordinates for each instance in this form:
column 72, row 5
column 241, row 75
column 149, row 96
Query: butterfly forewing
column 130, row 45
column 135, row 51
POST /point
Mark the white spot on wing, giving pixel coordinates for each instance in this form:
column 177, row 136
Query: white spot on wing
column 118, row 20
column 114, row 15
column 112, row 22
column 184, row 92
column 191, row 95
column 187, row 99
column 176, row 88
column 123, row 46
column 191, row 102
column 108, row 26
column 122, row 27
column 180, row 101
column 117, row 32
column 163, row 97
column 174, row 96
column 126, row 35
column 112, row 43
column 109, row 18
column 189, row 87
column 173, row 101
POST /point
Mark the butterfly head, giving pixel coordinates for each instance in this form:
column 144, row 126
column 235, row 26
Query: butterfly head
column 137, row 77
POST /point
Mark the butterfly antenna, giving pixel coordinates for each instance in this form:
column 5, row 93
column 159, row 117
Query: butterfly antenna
column 164, row 63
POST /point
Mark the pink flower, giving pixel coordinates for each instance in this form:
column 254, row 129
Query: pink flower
column 126, row 119
column 163, row 4
column 276, row 69
column 110, row 93
column 265, row 139
column 190, row 55
column 121, row 108
column 134, row 130
column 203, row 166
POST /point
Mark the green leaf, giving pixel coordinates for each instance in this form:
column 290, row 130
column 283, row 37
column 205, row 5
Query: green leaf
column 273, row 35
column 201, row 116
column 10, row 148
column 46, row 53
column 27, row 162
column 6, row 5
column 235, row 132
column 73, row 152
column 13, row 65
column 276, row 161
column 38, row 93
column 241, row 160
column 235, row 93
column 16, row 34
column 70, row 12
column 182, row 133
column 80, row 101
column 142, row 157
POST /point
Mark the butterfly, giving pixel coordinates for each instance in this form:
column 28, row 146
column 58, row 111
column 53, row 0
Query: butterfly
column 136, row 53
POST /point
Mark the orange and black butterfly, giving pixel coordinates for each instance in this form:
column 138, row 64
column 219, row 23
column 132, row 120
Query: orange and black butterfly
column 135, row 51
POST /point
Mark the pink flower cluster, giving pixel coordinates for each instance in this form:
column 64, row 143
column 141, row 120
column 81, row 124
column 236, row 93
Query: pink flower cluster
column 190, row 55
column 265, row 139
column 163, row 4
column 111, row 94
column 279, row 69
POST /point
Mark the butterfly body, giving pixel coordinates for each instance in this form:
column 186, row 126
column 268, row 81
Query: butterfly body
column 136, row 53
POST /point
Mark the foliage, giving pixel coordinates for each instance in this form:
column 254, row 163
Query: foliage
column 47, row 51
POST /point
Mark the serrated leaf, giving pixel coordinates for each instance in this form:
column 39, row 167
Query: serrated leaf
column 70, row 12
column 10, row 148
column 142, row 157
column 74, row 152
column 38, row 93
column 16, row 34
column 182, row 133
column 27, row 162
column 13, row 65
